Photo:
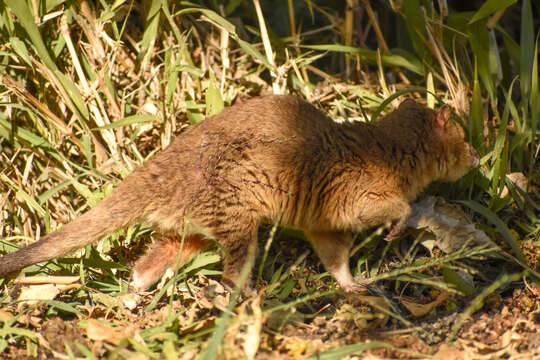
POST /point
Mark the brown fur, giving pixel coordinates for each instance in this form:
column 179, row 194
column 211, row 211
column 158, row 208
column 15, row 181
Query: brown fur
column 272, row 159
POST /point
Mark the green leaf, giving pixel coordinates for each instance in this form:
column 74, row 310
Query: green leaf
column 414, row 19
column 491, row 7
column 452, row 277
column 478, row 302
column 201, row 261
column 231, row 29
column 171, row 73
column 20, row 49
column 130, row 120
column 214, row 101
column 476, row 133
column 231, row 6
column 253, row 52
column 511, row 47
column 193, row 111
column 191, row 70
column 51, row 4
column 212, row 15
column 74, row 94
column 397, row 57
column 395, row 95
column 355, row 349
column 151, row 30
column 90, row 197
column 61, row 305
column 86, row 142
column 85, row 351
column 29, row 200
column 25, row 16
column 183, row 52
column 486, row 57
column 527, row 47
column 6, row 331
column 501, row 148
column 29, row 137
column 535, row 106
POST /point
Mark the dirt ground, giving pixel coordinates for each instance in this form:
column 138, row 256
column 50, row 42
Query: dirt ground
column 506, row 327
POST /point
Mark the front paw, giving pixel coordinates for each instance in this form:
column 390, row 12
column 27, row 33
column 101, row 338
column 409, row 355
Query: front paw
column 396, row 228
column 392, row 236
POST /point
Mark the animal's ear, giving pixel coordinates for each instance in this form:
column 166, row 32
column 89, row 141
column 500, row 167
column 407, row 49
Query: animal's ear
column 442, row 117
column 408, row 103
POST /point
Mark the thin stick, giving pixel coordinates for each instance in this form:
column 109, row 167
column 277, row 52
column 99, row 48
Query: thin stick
column 380, row 37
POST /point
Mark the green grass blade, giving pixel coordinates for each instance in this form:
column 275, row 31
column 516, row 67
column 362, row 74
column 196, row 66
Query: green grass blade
column 214, row 101
column 20, row 49
column 130, row 120
column 231, row 29
column 535, row 108
column 414, row 19
column 499, row 225
column 355, row 349
column 478, row 302
column 152, row 26
column 25, row 16
column 485, row 55
column 395, row 95
column 490, row 7
column 527, row 47
column 395, row 58
column 253, row 52
column 476, row 131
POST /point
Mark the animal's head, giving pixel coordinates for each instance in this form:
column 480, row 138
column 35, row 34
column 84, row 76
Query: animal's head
column 450, row 153
column 457, row 156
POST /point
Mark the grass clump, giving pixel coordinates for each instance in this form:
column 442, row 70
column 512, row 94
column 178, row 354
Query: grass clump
column 92, row 90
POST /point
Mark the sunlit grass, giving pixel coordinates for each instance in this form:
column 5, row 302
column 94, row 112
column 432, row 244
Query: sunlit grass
column 87, row 97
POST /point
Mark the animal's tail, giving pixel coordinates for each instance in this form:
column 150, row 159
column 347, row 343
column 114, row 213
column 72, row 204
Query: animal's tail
column 116, row 211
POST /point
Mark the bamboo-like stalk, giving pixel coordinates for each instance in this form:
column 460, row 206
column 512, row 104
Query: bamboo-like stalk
column 267, row 46
column 348, row 33
column 296, row 37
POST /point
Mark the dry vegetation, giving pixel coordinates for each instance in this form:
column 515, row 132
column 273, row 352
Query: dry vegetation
column 90, row 90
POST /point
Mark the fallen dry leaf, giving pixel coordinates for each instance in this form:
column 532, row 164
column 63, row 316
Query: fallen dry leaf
column 250, row 339
column 447, row 351
column 60, row 280
column 5, row 316
column 32, row 294
column 446, row 225
column 99, row 331
column 519, row 180
column 419, row 310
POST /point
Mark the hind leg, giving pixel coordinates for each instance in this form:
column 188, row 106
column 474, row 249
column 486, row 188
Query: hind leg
column 162, row 256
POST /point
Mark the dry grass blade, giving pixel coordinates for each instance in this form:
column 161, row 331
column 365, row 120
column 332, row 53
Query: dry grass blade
column 22, row 94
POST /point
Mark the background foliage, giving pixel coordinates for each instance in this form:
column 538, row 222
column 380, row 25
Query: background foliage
column 90, row 90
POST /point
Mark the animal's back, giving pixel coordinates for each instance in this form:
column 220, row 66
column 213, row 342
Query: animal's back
column 247, row 154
